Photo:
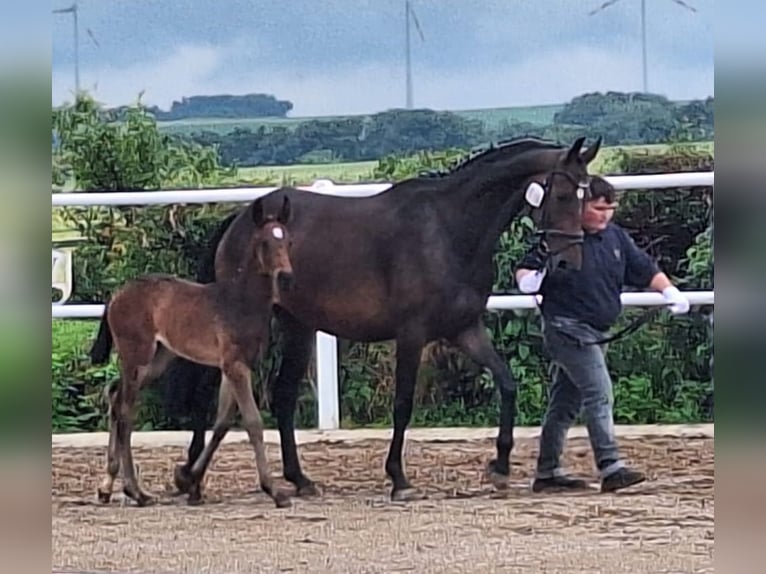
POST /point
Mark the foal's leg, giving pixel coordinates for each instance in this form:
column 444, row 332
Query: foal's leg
column 131, row 383
column 104, row 490
column 238, row 373
column 227, row 408
column 408, row 352
column 133, row 380
column 477, row 345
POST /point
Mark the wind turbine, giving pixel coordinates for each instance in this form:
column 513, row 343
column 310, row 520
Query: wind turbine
column 643, row 28
column 409, row 13
column 73, row 10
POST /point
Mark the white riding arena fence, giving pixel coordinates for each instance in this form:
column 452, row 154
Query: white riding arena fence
column 326, row 345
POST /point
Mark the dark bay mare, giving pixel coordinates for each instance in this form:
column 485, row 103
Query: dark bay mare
column 413, row 264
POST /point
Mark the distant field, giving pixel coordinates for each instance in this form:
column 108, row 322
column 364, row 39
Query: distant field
column 362, row 171
column 300, row 174
column 492, row 118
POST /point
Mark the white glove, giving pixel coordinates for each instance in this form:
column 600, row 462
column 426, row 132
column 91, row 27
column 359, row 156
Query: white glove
column 530, row 283
column 679, row 304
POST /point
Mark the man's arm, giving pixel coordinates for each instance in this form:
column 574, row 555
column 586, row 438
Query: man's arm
column 641, row 271
column 678, row 302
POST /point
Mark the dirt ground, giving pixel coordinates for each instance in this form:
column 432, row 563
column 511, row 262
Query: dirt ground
column 664, row 525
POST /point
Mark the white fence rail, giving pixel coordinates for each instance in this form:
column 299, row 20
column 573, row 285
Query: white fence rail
column 326, row 345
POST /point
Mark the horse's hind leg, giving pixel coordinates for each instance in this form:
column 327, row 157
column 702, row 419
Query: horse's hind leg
column 238, row 375
column 104, row 490
column 477, row 345
column 139, row 366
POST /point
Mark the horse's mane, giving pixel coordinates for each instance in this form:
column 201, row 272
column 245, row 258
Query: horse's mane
column 492, row 152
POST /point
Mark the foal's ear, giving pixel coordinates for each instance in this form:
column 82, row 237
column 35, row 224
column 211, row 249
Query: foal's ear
column 258, row 211
column 589, row 154
column 284, row 215
column 574, row 151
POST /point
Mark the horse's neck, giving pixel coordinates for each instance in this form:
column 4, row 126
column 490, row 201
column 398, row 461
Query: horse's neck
column 247, row 294
column 488, row 200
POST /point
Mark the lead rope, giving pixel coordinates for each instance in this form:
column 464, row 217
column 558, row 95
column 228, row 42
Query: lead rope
column 631, row 328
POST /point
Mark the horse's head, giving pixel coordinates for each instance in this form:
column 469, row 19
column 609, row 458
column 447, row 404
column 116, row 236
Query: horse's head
column 271, row 244
column 560, row 200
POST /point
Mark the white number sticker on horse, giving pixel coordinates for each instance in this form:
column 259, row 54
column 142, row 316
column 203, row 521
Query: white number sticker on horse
column 535, row 194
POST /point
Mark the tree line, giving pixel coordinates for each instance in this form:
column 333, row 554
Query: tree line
column 619, row 118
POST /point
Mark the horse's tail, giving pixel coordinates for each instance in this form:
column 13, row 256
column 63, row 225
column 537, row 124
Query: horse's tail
column 102, row 346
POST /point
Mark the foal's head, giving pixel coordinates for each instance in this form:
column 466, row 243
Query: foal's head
column 271, row 244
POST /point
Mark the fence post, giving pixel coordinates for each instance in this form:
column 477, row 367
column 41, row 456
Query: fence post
column 327, row 381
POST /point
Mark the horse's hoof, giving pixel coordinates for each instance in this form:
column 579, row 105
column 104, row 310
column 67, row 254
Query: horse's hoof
column 308, row 490
column 407, row 495
column 182, row 478
column 103, row 496
column 499, row 480
column 140, row 497
column 146, row 500
column 195, row 499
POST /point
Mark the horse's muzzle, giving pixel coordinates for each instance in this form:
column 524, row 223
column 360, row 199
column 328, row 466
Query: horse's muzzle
column 285, row 280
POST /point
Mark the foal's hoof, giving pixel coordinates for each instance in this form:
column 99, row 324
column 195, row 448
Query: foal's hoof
column 183, row 479
column 282, row 499
column 104, row 496
column 499, row 480
column 407, row 495
column 308, row 490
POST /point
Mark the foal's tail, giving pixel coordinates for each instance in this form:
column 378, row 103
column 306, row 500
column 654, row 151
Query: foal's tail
column 102, row 346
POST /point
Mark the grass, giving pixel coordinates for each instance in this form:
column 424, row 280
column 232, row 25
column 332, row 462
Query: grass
column 70, row 336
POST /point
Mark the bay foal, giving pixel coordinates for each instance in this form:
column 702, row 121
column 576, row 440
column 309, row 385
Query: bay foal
column 153, row 318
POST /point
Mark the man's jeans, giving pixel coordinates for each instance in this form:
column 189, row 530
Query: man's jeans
column 580, row 380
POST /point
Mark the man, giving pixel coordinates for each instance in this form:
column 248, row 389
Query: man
column 580, row 307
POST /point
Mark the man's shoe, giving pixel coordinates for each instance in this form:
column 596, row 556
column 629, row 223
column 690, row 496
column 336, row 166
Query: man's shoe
column 558, row 484
column 622, row 478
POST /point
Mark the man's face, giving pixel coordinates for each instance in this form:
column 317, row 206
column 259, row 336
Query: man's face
column 597, row 214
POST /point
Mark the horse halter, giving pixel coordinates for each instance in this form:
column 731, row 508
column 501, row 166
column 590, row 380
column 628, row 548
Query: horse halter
column 583, row 194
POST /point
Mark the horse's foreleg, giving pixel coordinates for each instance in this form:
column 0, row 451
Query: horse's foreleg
column 202, row 380
column 238, row 375
column 296, row 353
column 408, row 352
column 477, row 345
column 226, row 410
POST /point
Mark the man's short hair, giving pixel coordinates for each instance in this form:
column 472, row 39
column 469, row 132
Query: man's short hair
column 600, row 187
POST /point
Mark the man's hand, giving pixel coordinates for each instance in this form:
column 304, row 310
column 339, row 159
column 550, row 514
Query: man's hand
column 679, row 304
column 530, row 281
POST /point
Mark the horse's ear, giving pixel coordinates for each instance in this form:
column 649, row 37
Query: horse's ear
column 574, row 151
column 284, row 215
column 589, row 154
column 258, row 211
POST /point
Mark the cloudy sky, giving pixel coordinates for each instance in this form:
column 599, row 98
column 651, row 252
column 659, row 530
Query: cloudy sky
column 347, row 56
